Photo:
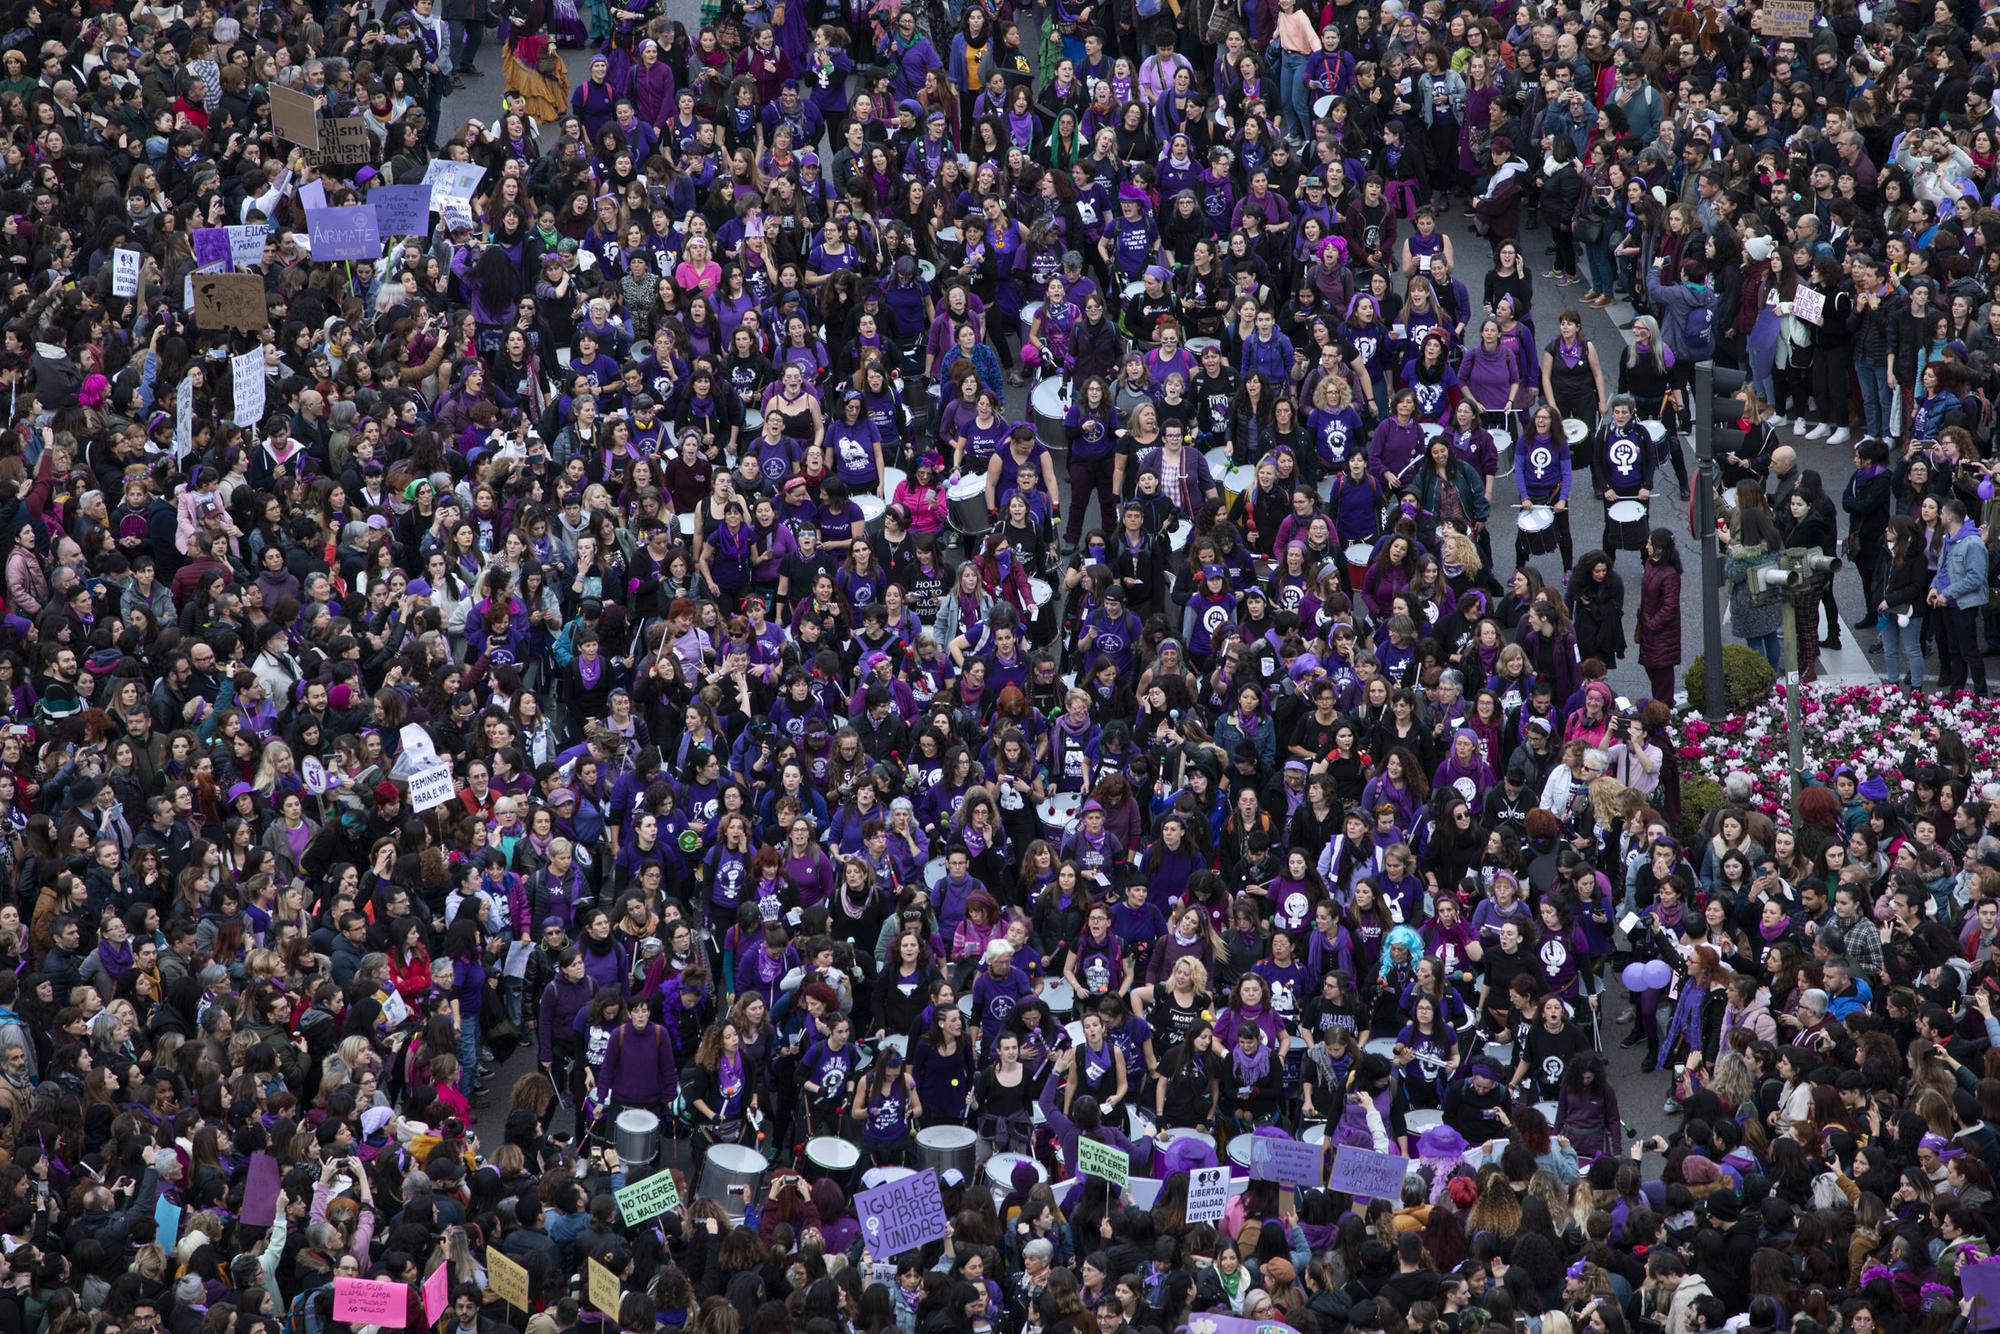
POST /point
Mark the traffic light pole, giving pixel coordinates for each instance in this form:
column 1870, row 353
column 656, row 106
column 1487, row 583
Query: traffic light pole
column 1789, row 656
column 1702, row 416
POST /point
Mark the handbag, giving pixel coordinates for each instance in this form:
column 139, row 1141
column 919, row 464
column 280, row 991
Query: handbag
column 1588, row 230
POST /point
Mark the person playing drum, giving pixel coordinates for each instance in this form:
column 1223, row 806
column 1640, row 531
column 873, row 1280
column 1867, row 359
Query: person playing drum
column 1622, row 466
column 1542, row 476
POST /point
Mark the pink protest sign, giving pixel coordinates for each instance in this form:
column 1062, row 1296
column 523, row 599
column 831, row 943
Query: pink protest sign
column 367, row 1301
column 437, row 1293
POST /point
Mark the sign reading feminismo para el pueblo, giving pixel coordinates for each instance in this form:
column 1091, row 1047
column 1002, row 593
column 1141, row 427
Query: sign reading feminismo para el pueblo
column 902, row 1215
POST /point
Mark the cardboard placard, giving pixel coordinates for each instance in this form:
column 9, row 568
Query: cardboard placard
column 648, row 1199
column 1101, row 1160
column 604, row 1293
column 1286, row 1160
column 507, row 1280
column 343, row 142
column 902, row 1215
column 437, row 1293
column 1786, row 18
column 401, row 210
column 295, row 116
column 1809, row 304
column 430, row 787
column 343, row 233
column 371, row 1301
column 1371, row 1175
column 246, row 380
column 452, row 180
column 1208, row 1194
column 229, row 301
column 260, row 1191
column 125, row 273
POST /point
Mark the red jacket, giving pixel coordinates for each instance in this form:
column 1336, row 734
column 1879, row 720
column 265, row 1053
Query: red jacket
column 1659, row 628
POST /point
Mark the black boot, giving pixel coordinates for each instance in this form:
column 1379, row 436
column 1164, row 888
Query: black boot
column 1634, row 1038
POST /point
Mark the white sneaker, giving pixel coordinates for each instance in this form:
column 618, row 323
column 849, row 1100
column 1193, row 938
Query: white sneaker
column 1819, row 431
column 1839, row 437
column 1798, row 426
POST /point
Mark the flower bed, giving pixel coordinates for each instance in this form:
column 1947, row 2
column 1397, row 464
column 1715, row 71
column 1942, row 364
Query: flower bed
column 1867, row 727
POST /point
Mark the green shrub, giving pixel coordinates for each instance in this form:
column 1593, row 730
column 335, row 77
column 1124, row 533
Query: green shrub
column 1747, row 680
column 1699, row 796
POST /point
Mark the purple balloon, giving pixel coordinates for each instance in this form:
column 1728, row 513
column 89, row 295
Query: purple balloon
column 1986, row 489
column 1634, row 976
column 1658, row 974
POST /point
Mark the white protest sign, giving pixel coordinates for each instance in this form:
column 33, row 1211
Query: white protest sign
column 124, row 273
column 313, row 774
column 184, row 416
column 246, row 244
column 1809, row 305
column 1208, row 1194
column 430, row 787
column 246, row 377
column 417, row 745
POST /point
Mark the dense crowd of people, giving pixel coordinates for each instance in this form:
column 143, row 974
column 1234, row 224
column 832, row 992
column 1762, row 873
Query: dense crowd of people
column 634, row 622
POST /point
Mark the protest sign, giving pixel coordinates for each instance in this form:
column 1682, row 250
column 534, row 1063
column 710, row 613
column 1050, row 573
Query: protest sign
column 184, row 416
column 1808, row 304
column 1286, row 1160
column 343, row 142
column 1101, row 1160
column 604, row 1294
column 229, row 301
column 1981, row 1283
column 1372, row 1175
column 1786, row 18
column 370, row 1301
column 294, row 115
column 430, row 787
column 211, row 246
column 312, row 195
column 260, row 1191
column 401, row 210
column 246, row 380
column 506, row 1280
column 902, row 1215
column 1229, row 1324
column 1208, row 1194
column 437, row 1293
column 647, row 1199
column 246, row 243
column 417, row 745
column 452, row 180
column 166, row 1223
column 343, row 233
column 125, row 273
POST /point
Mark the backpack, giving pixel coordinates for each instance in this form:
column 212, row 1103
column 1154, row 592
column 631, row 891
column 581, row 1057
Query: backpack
column 1149, row 8
column 309, row 1310
column 1699, row 340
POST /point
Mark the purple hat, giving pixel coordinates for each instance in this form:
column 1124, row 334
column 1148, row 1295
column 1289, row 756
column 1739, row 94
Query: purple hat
column 1440, row 1141
column 1939, row 1145
column 418, row 588
column 1131, row 194
column 1873, row 789
column 241, row 790
column 1213, row 571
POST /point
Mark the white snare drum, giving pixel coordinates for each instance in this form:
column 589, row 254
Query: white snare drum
column 686, row 522
column 832, row 1156
column 947, row 1147
column 1000, row 1173
column 1503, row 448
column 1059, row 812
column 872, row 507
column 965, row 501
column 891, row 479
column 1135, row 289
column 1574, row 430
column 928, row 270
column 1316, row 1135
column 636, row 1136
column 1028, row 314
column 753, row 422
column 1431, row 430
column 1239, row 1151
column 882, row 1176
column 726, row 1166
column 933, row 873
column 1049, row 401
column 1656, row 430
column 1044, row 592
column 1383, row 1047
column 1178, row 538
column 1236, row 481
column 1357, row 555
column 1422, row 1120
column 1537, row 527
column 1197, row 346
column 1322, row 105
column 1548, row 1111
column 1059, row 996
column 948, row 235
column 1625, row 525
